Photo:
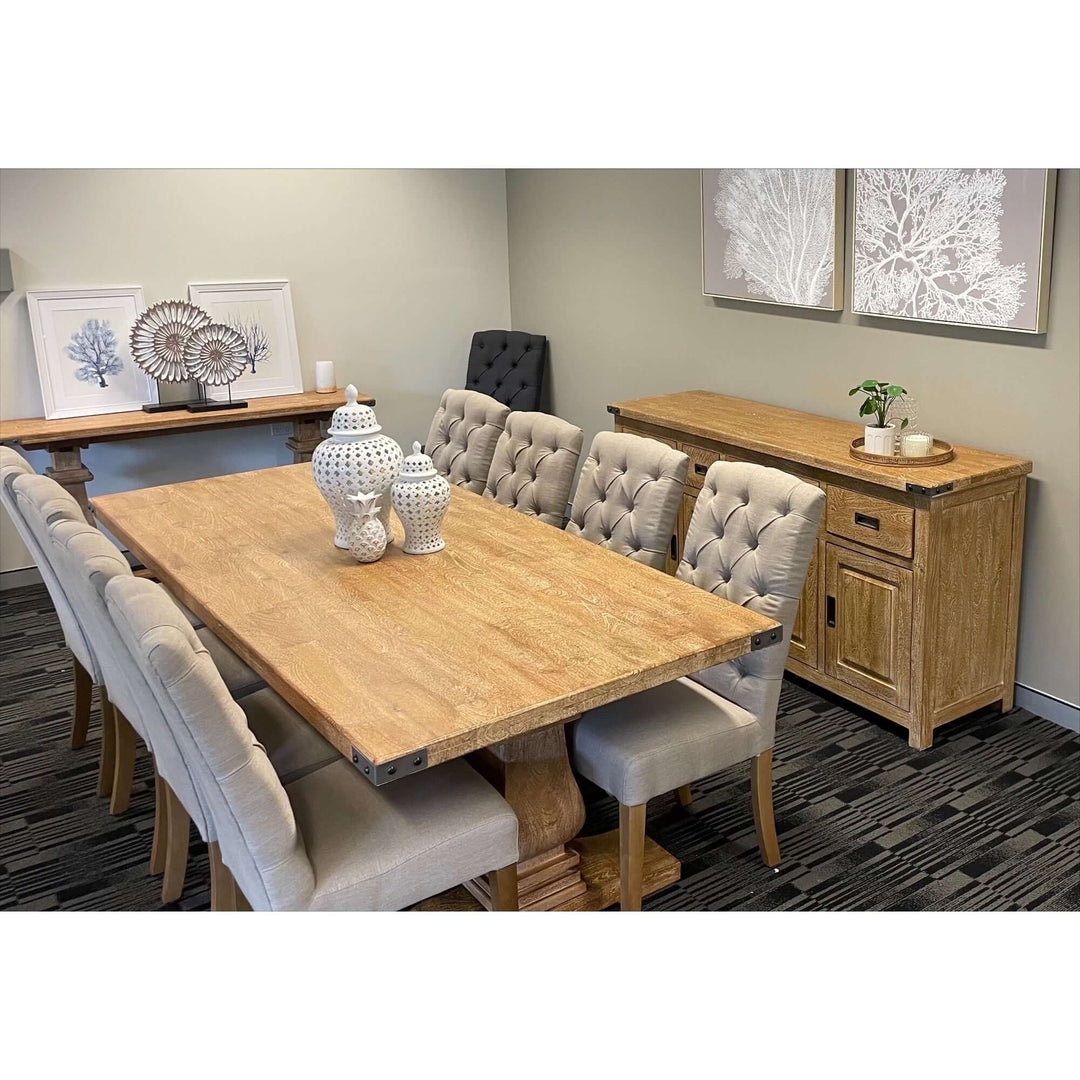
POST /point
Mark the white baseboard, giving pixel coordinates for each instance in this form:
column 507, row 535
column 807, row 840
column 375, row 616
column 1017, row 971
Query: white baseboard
column 16, row 579
column 1048, row 707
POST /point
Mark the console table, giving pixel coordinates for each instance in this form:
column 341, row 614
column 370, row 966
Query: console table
column 911, row 600
column 66, row 439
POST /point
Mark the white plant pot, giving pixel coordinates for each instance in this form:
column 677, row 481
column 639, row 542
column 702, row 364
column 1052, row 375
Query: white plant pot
column 879, row 440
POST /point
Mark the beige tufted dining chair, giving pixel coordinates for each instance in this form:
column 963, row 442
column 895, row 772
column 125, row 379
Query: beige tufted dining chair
column 87, row 561
column 327, row 841
column 628, row 496
column 12, row 466
column 749, row 542
column 40, row 501
column 534, row 465
column 463, row 434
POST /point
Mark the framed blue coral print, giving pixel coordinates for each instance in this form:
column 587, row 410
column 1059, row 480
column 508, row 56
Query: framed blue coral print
column 82, row 351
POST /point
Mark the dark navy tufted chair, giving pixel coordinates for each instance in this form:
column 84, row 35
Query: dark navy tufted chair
column 508, row 365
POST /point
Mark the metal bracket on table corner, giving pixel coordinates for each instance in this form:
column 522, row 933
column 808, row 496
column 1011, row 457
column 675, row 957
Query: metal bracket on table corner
column 769, row 637
column 613, row 409
column 920, row 489
column 389, row 771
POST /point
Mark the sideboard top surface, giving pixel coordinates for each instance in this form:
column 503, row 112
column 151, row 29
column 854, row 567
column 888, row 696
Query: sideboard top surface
column 34, row 433
column 816, row 441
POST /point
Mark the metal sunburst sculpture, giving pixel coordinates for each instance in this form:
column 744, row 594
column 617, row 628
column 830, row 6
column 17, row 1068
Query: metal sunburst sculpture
column 161, row 334
column 175, row 341
column 215, row 354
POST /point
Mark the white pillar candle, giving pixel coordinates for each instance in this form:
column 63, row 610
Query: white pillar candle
column 325, row 382
column 916, row 446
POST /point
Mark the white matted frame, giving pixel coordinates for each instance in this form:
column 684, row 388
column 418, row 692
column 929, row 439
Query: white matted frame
column 81, row 344
column 262, row 311
column 724, row 248
column 1034, row 236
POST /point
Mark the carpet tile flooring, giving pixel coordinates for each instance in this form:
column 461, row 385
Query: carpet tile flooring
column 986, row 820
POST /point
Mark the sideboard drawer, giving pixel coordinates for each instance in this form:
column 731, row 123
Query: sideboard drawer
column 700, row 460
column 875, row 522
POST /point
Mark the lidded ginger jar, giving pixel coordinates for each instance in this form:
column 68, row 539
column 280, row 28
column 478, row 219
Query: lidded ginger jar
column 355, row 458
column 420, row 497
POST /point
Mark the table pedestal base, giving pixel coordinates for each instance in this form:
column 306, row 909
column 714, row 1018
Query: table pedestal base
column 598, row 866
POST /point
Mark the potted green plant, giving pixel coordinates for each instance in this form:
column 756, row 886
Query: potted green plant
column 880, row 437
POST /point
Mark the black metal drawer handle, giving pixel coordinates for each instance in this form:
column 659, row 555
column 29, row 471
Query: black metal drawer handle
column 674, row 547
column 700, row 469
column 867, row 522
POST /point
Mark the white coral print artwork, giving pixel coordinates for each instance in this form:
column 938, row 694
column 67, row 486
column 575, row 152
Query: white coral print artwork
column 771, row 234
column 949, row 245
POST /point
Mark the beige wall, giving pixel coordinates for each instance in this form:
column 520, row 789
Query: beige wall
column 391, row 271
column 607, row 264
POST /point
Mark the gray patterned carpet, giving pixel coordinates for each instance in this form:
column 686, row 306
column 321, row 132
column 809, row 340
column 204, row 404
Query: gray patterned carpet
column 989, row 819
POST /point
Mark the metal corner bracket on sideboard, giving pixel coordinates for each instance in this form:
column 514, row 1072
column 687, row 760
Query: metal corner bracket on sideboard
column 389, row 771
column 920, row 489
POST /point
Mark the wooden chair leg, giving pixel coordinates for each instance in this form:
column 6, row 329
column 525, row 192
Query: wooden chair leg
column 107, row 765
column 161, row 827
column 503, row 886
column 685, row 795
column 223, row 890
column 178, row 832
column 124, row 763
column 631, row 855
column 80, row 716
column 761, row 798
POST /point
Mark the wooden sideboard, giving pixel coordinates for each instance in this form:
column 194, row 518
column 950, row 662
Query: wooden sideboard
column 912, row 596
column 66, row 439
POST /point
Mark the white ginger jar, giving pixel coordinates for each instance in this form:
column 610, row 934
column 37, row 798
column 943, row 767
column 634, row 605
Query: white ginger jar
column 368, row 537
column 421, row 496
column 354, row 458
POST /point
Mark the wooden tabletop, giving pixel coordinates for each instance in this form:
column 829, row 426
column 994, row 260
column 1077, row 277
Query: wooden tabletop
column 514, row 626
column 812, row 440
column 39, row 432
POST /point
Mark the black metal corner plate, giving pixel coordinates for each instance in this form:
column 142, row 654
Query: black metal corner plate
column 919, row 489
column 389, row 771
column 770, row 637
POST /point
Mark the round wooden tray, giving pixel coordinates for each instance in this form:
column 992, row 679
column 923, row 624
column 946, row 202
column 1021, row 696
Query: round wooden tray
column 943, row 452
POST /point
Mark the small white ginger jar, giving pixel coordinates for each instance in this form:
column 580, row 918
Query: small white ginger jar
column 421, row 496
column 354, row 458
column 368, row 537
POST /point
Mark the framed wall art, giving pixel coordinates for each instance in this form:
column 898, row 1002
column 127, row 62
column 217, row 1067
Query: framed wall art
column 968, row 246
column 775, row 236
column 262, row 312
column 83, row 354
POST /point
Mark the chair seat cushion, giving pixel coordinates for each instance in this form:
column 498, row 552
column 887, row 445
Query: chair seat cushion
column 381, row 849
column 237, row 676
column 293, row 746
column 660, row 739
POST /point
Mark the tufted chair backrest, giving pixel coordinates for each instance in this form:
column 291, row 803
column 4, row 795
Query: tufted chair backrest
column 252, row 818
column 463, row 434
column 35, row 502
column 508, row 365
column 628, row 496
column 750, row 542
column 534, row 465
column 87, row 560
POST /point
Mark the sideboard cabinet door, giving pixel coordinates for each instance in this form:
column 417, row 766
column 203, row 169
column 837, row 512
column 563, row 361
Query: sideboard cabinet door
column 868, row 624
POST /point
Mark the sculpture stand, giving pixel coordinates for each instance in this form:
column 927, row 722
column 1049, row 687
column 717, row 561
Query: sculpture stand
column 206, row 404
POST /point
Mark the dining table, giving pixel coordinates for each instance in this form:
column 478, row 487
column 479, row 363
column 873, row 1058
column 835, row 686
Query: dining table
column 486, row 649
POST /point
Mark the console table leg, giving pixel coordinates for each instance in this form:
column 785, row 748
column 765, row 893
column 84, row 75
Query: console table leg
column 307, row 434
column 68, row 470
